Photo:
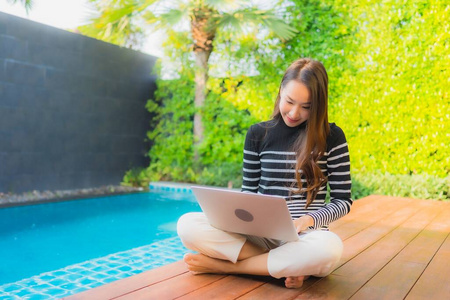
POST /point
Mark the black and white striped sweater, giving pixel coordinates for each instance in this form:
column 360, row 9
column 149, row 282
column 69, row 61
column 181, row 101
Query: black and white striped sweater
column 269, row 168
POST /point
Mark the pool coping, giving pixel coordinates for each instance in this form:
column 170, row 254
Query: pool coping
column 157, row 185
column 4, row 203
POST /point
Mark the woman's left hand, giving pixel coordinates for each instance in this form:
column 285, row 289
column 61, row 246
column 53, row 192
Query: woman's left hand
column 303, row 223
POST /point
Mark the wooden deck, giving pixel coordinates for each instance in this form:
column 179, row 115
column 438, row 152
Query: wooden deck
column 394, row 248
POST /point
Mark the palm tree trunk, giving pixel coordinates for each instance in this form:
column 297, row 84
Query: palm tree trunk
column 201, row 77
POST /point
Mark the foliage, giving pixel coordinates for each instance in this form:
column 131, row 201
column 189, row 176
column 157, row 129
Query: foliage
column 394, row 103
column 136, row 178
column 389, row 68
column 413, row 186
column 28, row 4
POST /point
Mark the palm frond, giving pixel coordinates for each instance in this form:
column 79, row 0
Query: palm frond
column 173, row 16
column 253, row 16
column 163, row 21
column 115, row 22
column 225, row 4
column 28, row 4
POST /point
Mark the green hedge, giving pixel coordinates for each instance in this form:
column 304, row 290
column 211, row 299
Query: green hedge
column 389, row 69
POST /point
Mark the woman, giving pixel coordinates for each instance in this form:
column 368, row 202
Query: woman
column 294, row 155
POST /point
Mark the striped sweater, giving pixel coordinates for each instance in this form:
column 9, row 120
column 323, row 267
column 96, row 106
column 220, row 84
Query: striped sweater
column 269, row 168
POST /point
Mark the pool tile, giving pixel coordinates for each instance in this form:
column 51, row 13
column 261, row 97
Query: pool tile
column 99, row 276
column 75, row 269
column 10, row 297
column 125, row 268
column 43, row 286
column 22, row 293
column 112, row 272
column 57, row 282
column 74, row 277
column 59, row 273
column 109, row 279
column 38, row 297
column 69, row 286
column 47, row 277
column 87, row 281
column 12, row 287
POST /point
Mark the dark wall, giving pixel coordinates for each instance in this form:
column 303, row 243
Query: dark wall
column 72, row 108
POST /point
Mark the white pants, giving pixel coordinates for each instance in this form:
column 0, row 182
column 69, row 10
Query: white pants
column 316, row 253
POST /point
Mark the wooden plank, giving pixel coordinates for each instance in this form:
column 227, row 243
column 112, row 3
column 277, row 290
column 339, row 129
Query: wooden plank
column 376, row 246
column 229, row 287
column 392, row 285
column 173, row 287
column 428, row 242
column 362, row 206
column 396, row 279
column 275, row 289
column 435, row 281
column 129, row 284
column 365, row 238
column 363, row 221
column 392, row 243
column 330, row 287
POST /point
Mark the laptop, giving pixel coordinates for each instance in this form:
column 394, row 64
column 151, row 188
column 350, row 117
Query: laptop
column 246, row 213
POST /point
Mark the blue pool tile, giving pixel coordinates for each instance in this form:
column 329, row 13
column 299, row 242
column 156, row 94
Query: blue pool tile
column 109, row 279
column 23, row 292
column 43, row 286
column 73, row 277
column 99, row 276
column 38, row 297
column 102, row 261
column 47, row 277
column 59, row 273
column 125, row 268
column 101, row 268
column 12, row 287
column 112, row 272
column 77, row 290
column 69, row 286
column 9, row 297
column 75, row 269
column 57, row 282
column 55, row 291
column 87, row 281
column 88, row 265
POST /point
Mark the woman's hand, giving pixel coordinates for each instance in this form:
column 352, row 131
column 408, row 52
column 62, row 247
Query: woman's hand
column 303, row 223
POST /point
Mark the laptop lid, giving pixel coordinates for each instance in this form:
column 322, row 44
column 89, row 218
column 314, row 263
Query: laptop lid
column 246, row 213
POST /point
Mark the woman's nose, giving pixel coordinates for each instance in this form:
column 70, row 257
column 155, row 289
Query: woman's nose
column 295, row 112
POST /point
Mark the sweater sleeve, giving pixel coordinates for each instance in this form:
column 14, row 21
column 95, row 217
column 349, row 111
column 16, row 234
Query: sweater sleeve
column 252, row 165
column 339, row 181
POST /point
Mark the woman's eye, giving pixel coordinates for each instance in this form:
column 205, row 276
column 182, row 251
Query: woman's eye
column 307, row 107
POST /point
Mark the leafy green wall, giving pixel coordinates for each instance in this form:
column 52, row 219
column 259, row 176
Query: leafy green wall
column 389, row 70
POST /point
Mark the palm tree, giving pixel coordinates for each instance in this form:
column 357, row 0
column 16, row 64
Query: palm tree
column 28, row 4
column 205, row 18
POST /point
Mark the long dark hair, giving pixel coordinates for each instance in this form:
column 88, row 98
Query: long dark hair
column 309, row 148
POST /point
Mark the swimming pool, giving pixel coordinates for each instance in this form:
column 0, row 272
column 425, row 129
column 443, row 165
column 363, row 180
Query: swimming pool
column 41, row 238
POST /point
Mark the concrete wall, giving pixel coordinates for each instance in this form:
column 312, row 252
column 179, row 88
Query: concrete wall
column 72, row 109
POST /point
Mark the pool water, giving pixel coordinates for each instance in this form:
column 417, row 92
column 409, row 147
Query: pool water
column 40, row 238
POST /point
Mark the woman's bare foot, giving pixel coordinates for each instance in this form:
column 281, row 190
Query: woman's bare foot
column 295, row 282
column 199, row 264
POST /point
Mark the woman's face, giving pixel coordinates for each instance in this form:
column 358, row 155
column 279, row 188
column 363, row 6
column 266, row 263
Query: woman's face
column 294, row 103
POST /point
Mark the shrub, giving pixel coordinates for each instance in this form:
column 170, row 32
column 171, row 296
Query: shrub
column 413, row 186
